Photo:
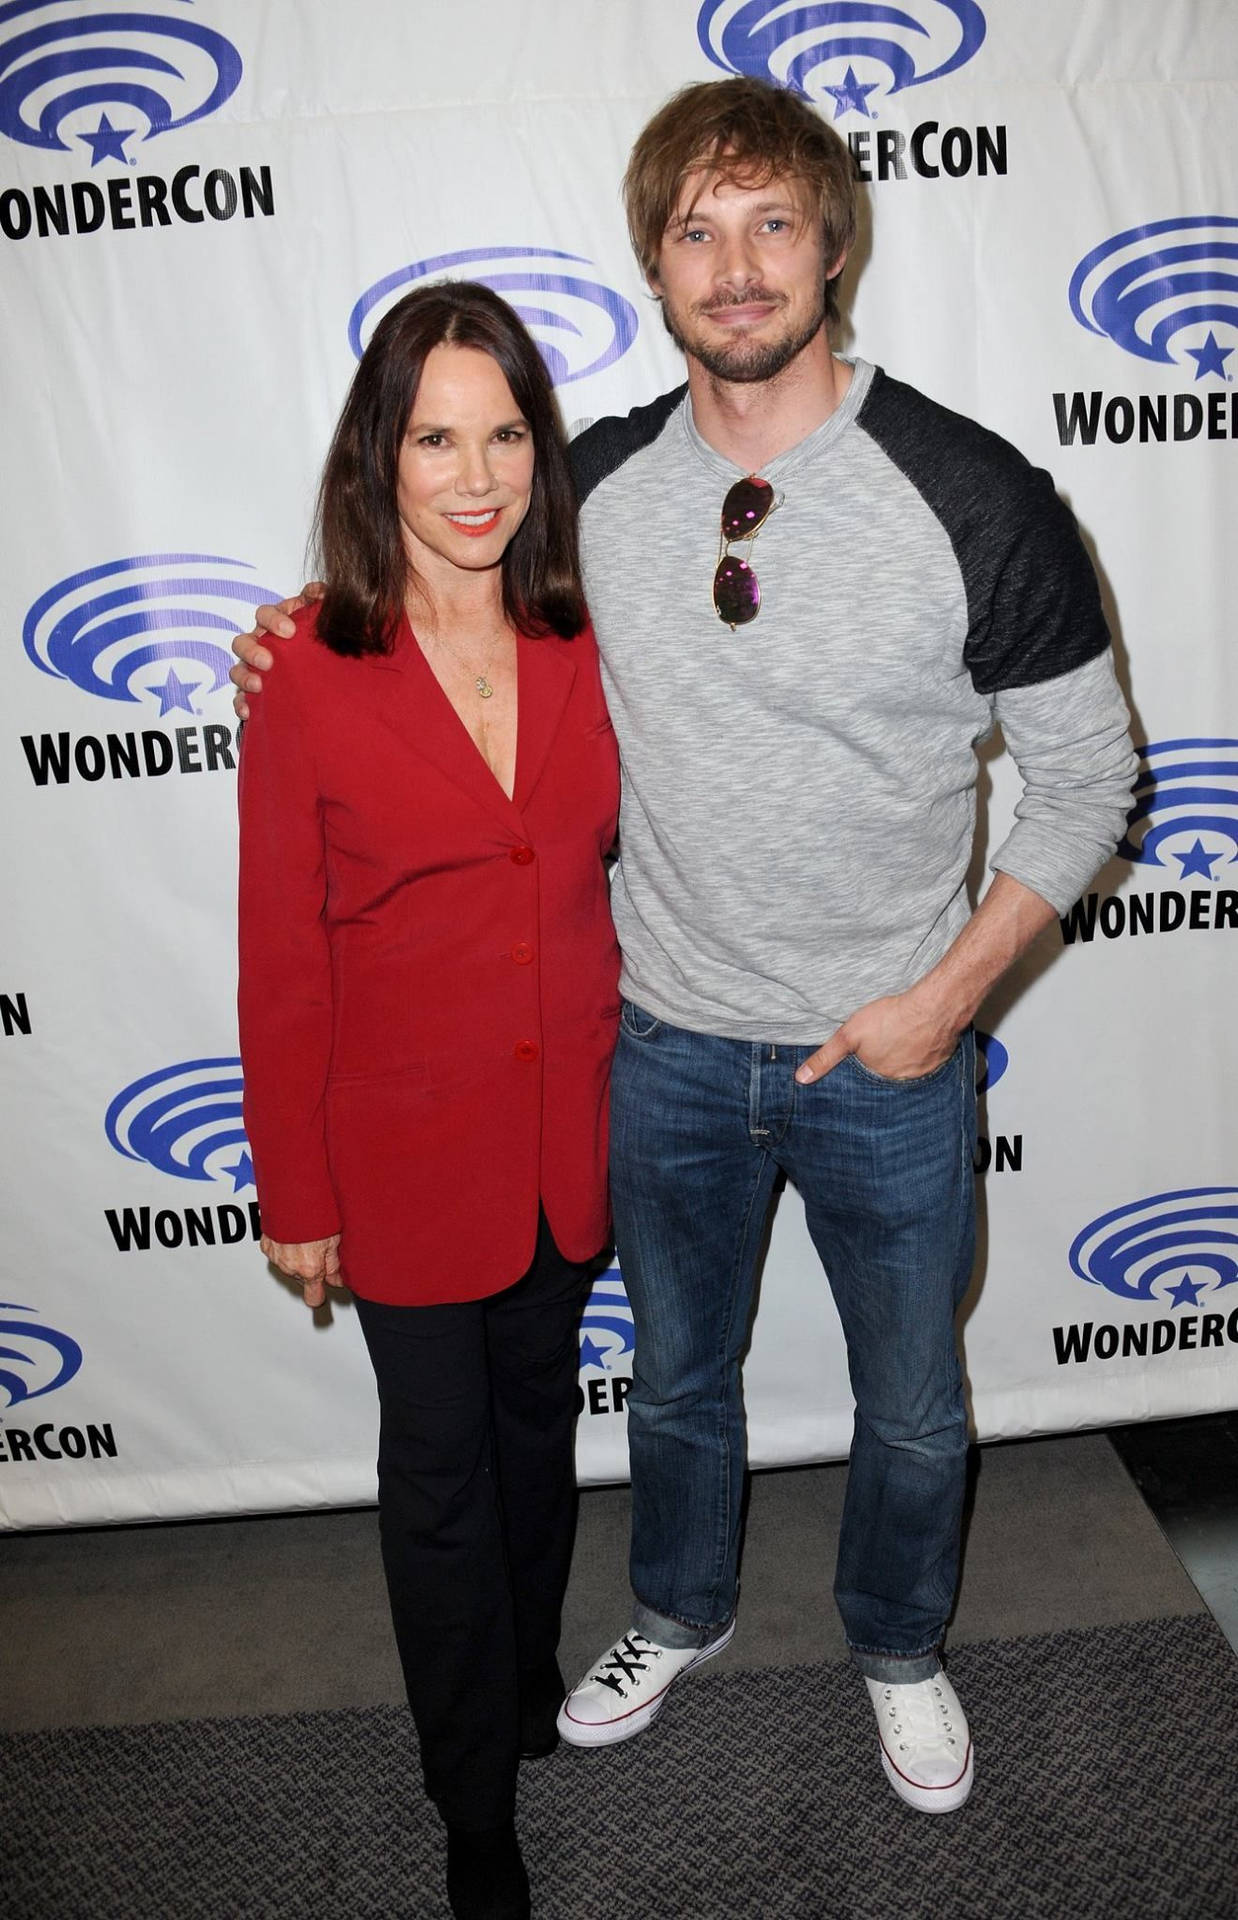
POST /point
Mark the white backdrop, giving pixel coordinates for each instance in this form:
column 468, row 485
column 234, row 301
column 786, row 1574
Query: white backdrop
column 199, row 199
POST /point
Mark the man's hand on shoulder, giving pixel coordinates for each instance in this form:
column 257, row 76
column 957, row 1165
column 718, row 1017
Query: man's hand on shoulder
column 253, row 658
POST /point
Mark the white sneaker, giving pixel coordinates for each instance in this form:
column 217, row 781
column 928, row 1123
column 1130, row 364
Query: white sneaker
column 624, row 1692
column 925, row 1744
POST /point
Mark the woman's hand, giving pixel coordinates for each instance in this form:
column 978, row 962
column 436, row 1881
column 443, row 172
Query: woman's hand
column 315, row 1263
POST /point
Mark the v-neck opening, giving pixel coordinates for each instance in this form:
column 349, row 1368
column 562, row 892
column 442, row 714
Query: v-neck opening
column 508, row 798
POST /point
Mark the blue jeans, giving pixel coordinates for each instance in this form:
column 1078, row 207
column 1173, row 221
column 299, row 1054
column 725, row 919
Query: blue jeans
column 700, row 1129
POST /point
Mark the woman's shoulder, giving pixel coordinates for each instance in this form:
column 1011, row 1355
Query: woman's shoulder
column 581, row 644
column 581, row 653
column 307, row 679
column 312, row 642
column 577, row 650
column 307, row 654
column 305, row 644
column 300, row 649
column 587, row 650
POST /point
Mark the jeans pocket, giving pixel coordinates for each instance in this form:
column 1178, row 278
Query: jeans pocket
column 636, row 1023
column 910, row 1080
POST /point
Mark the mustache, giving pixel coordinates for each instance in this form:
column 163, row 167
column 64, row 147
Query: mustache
column 751, row 296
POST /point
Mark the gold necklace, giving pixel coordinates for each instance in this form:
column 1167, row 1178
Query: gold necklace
column 481, row 681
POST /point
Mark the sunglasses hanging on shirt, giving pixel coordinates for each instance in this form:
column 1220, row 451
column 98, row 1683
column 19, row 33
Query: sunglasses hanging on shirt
column 737, row 592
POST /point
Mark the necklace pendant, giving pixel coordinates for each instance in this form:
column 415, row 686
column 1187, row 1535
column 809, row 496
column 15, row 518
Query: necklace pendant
column 483, row 686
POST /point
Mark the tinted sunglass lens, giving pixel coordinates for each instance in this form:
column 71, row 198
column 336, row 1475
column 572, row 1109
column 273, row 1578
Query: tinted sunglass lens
column 737, row 597
column 745, row 507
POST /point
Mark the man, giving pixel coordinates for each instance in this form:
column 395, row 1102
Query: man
column 800, row 967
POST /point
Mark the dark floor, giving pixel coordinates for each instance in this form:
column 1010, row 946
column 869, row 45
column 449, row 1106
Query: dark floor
column 1187, row 1471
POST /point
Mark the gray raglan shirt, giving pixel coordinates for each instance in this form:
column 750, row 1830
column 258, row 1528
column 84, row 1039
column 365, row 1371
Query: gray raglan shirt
column 799, row 796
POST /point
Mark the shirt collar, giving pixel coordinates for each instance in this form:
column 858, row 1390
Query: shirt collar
column 785, row 464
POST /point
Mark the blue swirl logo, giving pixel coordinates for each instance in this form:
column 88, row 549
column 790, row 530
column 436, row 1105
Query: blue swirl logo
column 185, row 1120
column 884, row 49
column 1171, row 1248
column 1147, row 286
column 137, row 629
column 606, row 1330
column 992, row 1059
column 46, row 1358
column 62, row 68
column 580, row 326
column 1186, row 808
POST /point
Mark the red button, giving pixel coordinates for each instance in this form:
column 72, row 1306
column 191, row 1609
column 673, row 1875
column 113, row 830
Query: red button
column 525, row 1050
column 522, row 953
column 521, row 856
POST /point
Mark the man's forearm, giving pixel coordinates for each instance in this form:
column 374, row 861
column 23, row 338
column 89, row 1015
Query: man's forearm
column 1070, row 740
column 1003, row 926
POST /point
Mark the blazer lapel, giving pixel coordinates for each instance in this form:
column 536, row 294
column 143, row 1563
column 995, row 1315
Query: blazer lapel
column 547, row 673
column 411, row 703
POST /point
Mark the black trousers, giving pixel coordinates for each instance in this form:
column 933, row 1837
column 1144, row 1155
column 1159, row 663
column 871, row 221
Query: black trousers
column 477, row 1510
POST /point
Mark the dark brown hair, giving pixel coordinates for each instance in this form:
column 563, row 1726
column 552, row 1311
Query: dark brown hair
column 751, row 132
column 357, row 531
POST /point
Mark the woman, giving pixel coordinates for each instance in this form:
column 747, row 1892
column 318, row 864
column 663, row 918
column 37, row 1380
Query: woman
column 428, row 1005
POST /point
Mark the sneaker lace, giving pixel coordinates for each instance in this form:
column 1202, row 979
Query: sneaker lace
column 919, row 1716
column 626, row 1660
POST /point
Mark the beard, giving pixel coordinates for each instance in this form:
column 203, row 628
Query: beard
column 744, row 362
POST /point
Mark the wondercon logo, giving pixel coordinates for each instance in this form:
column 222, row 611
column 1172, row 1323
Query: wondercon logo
column 1172, row 1247
column 185, row 1120
column 1186, row 808
column 1150, row 289
column 580, row 325
column 606, row 1329
column 42, row 1360
column 140, row 629
column 103, row 75
column 992, row 1059
column 843, row 51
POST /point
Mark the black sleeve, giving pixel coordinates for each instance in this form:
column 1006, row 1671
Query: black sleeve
column 602, row 448
column 1033, row 604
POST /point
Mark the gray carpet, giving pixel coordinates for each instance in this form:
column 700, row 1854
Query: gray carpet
column 1105, row 1788
column 124, row 1625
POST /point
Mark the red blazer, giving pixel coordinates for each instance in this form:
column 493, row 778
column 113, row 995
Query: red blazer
column 429, row 975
